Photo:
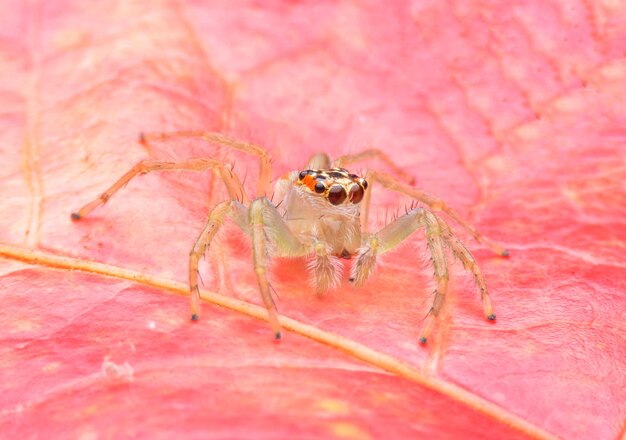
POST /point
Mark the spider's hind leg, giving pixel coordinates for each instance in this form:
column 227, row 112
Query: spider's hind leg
column 375, row 153
column 232, row 183
column 381, row 156
column 319, row 161
column 265, row 160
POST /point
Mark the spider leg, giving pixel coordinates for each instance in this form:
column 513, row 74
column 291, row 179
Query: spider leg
column 435, row 244
column 265, row 160
column 374, row 153
column 383, row 241
column 463, row 254
column 319, row 161
column 233, row 209
column 439, row 235
column 365, row 206
column 436, row 204
column 233, row 185
column 267, row 225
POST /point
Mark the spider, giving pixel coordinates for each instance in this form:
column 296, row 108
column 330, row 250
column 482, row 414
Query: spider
column 325, row 216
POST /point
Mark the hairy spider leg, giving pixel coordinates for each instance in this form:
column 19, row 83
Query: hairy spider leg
column 436, row 204
column 372, row 153
column 319, row 161
column 267, row 224
column 233, row 185
column 365, row 206
column 463, row 254
column 265, row 160
column 233, row 209
column 436, row 247
column 438, row 234
column 375, row 153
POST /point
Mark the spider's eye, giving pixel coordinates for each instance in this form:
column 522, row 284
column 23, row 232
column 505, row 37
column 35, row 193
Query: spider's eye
column 356, row 193
column 364, row 183
column 303, row 174
column 337, row 195
column 320, row 187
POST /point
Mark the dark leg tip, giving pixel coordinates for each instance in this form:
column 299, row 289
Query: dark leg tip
column 75, row 216
column 491, row 317
column 195, row 317
column 506, row 253
column 278, row 336
column 422, row 340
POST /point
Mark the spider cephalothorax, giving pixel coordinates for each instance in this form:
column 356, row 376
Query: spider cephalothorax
column 325, row 215
column 335, row 184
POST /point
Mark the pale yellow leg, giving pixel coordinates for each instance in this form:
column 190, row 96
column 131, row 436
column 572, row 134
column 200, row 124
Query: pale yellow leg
column 439, row 235
column 233, row 185
column 266, row 220
column 375, row 153
column 436, row 204
column 463, row 254
column 265, row 160
column 435, row 244
column 319, row 161
column 231, row 208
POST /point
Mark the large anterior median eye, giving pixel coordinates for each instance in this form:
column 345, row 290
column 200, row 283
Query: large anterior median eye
column 356, row 193
column 336, row 194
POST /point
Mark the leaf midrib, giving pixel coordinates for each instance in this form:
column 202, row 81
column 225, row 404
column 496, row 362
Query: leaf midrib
column 348, row 346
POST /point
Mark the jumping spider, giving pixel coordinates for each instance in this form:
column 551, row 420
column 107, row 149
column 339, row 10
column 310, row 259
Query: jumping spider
column 325, row 215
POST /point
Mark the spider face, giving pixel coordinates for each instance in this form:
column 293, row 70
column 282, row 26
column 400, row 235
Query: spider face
column 336, row 185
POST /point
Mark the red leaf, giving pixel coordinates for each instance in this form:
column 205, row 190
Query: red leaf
column 513, row 113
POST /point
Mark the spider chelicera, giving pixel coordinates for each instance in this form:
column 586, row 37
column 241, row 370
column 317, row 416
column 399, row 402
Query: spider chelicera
column 325, row 215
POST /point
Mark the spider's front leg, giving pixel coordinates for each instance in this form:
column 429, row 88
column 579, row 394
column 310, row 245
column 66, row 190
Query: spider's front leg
column 264, row 223
column 267, row 225
column 438, row 235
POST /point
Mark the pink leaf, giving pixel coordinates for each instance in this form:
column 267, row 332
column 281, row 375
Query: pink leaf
column 511, row 112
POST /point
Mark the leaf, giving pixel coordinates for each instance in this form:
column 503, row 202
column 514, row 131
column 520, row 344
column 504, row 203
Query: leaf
column 513, row 113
